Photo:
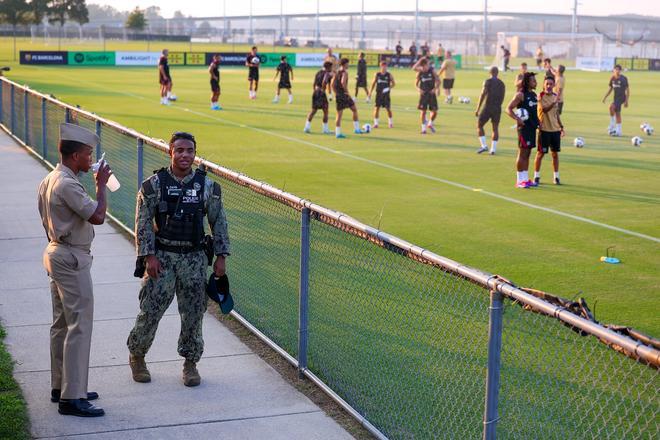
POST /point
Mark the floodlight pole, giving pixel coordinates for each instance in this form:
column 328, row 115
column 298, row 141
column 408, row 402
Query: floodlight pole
column 416, row 21
column 281, row 19
column 574, row 20
column 318, row 22
column 485, row 27
column 224, row 20
column 251, row 37
column 362, row 43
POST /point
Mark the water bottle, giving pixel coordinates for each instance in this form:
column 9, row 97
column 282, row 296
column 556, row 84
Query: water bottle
column 113, row 184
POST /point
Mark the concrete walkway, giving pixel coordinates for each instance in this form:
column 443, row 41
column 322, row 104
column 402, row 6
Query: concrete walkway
column 241, row 397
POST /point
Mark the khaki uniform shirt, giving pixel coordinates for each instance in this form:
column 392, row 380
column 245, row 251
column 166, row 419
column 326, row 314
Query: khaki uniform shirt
column 548, row 121
column 450, row 69
column 333, row 59
column 147, row 207
column 65, row 207
column 560, row 83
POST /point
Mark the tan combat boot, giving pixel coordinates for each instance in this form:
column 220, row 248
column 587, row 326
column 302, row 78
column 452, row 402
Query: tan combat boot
column 190, row 374
column 139, row 369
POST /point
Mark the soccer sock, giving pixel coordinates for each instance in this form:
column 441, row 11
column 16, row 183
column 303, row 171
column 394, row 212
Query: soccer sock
column 612, row 121
column 520, row 176
column 493, row 146
column 556, row 174
column 375, row 121
column 169, row 94
column 325, row 126
column 390, row 121
column 482, row 140
column 356, row 125
column 308, row 125
column 430, row 123
column 290, row 99
column 618, row 128
column 537, row 174
column 337, row 130
column 525, row 175
column 423, row 128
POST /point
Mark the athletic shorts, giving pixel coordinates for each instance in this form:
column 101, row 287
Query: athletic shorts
column 526, row 137
column 539, row 61
column 319, row 100
column 344, row 101
column 361, row 81
column 284, row 85
column 428, row 101
column 448, row 83
column 560, row 107
column 215, row 86
column 253, row 74
column 441, row 59
column 488, row 114
column 617, row 106
column 549, row 140
column 382, row 100
column 163, row 80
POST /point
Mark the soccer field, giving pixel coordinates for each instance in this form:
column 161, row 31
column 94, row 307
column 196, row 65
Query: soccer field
column 431, row 190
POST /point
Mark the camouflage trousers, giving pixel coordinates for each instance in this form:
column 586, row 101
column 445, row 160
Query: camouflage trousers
column 185, row 275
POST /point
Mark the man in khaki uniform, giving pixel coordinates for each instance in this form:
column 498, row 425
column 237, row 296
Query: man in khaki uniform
column 448, row 73
column 67, row 214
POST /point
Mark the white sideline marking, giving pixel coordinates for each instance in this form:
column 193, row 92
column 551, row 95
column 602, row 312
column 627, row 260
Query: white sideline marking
column 407, row 171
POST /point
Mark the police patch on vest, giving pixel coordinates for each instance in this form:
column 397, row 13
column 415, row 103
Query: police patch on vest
column 197, row 186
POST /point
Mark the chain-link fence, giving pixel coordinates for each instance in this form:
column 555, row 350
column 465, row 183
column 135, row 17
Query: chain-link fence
column 412, row 344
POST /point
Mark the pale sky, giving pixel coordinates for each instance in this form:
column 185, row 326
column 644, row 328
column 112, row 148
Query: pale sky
column 199, row 8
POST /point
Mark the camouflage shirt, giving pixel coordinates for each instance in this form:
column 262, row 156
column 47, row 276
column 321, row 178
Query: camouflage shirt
column 145, row 217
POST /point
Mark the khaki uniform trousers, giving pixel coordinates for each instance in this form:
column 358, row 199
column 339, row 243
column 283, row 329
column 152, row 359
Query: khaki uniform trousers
column 73, row 317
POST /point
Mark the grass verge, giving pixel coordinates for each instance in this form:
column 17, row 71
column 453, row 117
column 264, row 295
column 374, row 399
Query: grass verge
column 14, row 422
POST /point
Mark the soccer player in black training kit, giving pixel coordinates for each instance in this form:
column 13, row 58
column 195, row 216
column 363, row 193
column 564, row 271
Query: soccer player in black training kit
column 383, row 82
column 427, row 84
column 344, row 100
column 361, row 78
column 398, row 49
column 164, row 79
column 525, row 99
column 285, row 71
column 618, row 84
column 493, row 93
column 319, row 98
column 214, row 71
column 252, row 61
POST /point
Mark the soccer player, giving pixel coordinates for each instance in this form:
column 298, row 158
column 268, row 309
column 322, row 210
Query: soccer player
column 506, row 57
column 398, row 49
column 214, row 71
column 319, row 99
column 525, row 98
column 448, row 72
column 426, row 49
column 383, row 82
column 252, row 62
column 361, row 78
column 551, row 129
column 344, row 100
column 284, row 70
column 413, row 52
column 441, row 53
column 618, row 84
column 427, row 85
column 521, row 75
column 549, row 70
column 560, row 83
column 539, row 57
column 335, row 65
column 165, row 80
column 493, row 92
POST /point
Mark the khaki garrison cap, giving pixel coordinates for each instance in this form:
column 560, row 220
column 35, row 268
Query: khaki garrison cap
column 73, row 132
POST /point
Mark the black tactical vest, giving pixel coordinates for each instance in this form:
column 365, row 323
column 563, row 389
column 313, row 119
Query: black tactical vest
column 180, row 213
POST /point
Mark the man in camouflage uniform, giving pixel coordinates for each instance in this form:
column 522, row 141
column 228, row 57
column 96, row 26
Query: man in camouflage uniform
column 169, row 235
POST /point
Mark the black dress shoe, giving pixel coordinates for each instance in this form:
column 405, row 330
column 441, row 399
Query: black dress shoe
column 55, row 395
column 79, row 407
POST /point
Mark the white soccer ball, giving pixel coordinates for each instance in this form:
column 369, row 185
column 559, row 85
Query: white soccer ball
column 612, row 132
column 636, row 141
column 643, row 125
column 648, row 130
column 366, row 128
column 255, row 60
column 466, row 100
column 172, row 98
column 578, row 142
column 522, row 113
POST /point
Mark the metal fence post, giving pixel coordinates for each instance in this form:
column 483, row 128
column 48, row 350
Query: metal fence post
column 67, row 115
column 98, row 145
column 44, row 127
column 494, row 361
column 12, row 124
column 26, row 113
column 140, row 163
column 304, row 292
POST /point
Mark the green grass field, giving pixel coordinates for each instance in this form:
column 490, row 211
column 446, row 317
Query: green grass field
column 403, row 182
